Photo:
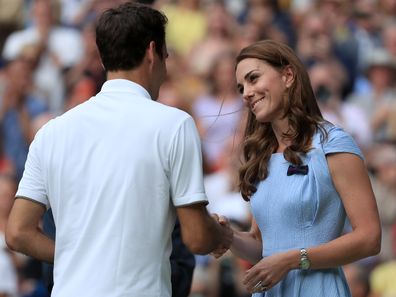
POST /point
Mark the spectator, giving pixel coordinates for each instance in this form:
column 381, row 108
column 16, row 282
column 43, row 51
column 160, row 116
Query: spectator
column 271, row 20
column 382, row 162
column 19, row 108
column 218, row 39
column 11, row 18
column 366, row 30
column 187, row 25
column 315, row 43
column 328, row 81
column 85, row 79
column 381, row 74
column 357, row 277
column 389, row 37
column 8, row 273
column 53, row 56
column 382, row 279
column 219, row 111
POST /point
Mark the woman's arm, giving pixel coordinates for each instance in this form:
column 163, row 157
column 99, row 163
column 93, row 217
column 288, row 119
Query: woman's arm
column 248, row 245
column 351, row 180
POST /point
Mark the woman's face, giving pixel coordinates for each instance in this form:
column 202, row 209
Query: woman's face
column 263, row 89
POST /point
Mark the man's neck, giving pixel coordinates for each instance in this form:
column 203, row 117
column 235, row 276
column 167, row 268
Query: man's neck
column 135, row 76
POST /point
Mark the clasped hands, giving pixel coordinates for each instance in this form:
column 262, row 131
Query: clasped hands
column 227, row 238
column 266, row 273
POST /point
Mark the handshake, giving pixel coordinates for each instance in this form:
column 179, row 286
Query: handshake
column 226, row 236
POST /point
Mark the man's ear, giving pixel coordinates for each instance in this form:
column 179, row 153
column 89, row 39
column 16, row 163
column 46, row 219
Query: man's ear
column 288, row 76
column 150, row 52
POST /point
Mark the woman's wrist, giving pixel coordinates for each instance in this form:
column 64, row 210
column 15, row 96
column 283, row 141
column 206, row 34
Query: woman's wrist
column 293, row 259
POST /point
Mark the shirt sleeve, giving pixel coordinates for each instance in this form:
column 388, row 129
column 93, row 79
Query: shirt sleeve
column 32, row 185
column 186, row 176
column 339, row 141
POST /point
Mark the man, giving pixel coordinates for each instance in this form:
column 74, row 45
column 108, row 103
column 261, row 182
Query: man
column 115, row 171
column 181, row 259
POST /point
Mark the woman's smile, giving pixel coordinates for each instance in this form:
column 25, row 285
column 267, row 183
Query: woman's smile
column 254, row 103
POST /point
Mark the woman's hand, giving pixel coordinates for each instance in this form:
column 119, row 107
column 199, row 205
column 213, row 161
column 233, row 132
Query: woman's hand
column 269, row 271
column 222, row 249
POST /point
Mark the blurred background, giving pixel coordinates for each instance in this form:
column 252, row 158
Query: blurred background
column 49, row 64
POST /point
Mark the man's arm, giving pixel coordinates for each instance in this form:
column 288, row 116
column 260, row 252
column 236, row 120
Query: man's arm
column 200, row 232
column 23, row 233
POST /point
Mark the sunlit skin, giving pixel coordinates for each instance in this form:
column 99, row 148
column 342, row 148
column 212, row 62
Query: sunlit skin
column 263, row 89
column 159, row 71
column 150, row 74
column 162, row 64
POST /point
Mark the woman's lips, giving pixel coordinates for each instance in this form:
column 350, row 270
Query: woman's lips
column 255, row 102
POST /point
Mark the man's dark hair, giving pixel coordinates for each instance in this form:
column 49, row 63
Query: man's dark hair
column 124, row 33
column 148, row 2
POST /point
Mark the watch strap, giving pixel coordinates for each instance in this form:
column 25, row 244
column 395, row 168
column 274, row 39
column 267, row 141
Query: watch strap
column 304, row 259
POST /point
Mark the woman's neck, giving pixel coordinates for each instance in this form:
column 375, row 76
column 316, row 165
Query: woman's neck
column 280, row 128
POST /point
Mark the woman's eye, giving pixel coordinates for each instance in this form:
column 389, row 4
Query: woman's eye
column 252, row 78
column 240, row 90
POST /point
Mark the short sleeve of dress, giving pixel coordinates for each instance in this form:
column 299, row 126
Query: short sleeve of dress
column 339, row 141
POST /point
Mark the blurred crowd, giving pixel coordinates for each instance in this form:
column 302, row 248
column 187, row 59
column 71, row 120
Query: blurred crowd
column 49, row 64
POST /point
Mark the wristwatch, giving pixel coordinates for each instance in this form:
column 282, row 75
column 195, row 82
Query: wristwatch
column 304, row 260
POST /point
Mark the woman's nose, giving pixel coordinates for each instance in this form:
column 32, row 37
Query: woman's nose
column 247, row 93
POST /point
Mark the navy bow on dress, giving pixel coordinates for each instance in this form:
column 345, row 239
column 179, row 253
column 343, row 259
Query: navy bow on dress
column 297, row 169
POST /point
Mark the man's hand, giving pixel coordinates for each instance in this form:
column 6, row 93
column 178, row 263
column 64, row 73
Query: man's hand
column 227, row 236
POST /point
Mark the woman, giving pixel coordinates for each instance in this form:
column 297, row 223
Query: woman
column 302, row 176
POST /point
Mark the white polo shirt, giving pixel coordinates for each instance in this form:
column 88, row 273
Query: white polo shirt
column 112, row 169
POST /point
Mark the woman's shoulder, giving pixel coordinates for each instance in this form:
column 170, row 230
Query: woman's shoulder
column 330, row 133
column 334, row 139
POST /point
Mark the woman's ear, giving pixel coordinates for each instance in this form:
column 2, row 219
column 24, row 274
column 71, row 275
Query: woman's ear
column 288, row 76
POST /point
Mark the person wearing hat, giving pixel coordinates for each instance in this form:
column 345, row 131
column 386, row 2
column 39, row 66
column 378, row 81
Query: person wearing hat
column 380, row 95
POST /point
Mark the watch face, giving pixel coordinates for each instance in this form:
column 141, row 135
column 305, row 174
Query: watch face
column 305, row 263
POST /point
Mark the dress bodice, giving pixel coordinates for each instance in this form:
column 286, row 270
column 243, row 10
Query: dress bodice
column 302, row 210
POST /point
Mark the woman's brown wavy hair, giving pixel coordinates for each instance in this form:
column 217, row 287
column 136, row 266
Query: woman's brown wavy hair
column 300, row 108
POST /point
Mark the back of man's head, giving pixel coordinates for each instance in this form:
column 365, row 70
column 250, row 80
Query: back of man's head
column 124, row 33
column 148, row 2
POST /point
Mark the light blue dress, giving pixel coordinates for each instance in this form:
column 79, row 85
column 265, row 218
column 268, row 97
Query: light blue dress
column 299, row 211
